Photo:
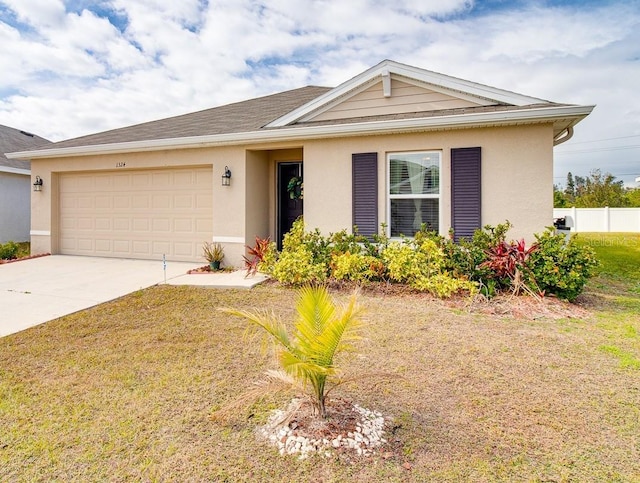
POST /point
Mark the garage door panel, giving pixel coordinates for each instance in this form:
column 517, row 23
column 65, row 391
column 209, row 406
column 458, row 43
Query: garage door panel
column 204, row 226
column 140, row 225
column 68, row 243
column 122, row 224
column 103, row 224
column 184, row 249
column 100, row 202
column 103, row 245
column 102, row 183
column 184, row 225
column 162, row 180
column 203, row 202
column 183, row 201
column 159, row 202
column 122, row 247
column 140, row 202
column 84, row 223
column 89, row 203
column 121, row 202
column 141, row 249
column 138, row 214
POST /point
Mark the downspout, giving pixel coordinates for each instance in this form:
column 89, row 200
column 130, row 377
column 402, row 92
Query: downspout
column 563, row 136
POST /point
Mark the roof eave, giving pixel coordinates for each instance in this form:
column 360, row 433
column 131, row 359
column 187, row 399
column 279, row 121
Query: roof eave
column 9, row 169
column 536, row 115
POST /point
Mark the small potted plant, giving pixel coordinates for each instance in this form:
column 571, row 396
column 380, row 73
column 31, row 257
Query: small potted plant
column 214, row 253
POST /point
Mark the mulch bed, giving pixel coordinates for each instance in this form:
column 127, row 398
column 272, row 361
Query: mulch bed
column 503, row 305
column 2, row 262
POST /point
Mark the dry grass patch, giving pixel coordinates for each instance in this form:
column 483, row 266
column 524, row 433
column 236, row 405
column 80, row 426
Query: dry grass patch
column 125, row 391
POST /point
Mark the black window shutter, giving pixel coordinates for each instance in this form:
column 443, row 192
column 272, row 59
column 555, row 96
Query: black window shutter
column 365, row 192
column 465, row 191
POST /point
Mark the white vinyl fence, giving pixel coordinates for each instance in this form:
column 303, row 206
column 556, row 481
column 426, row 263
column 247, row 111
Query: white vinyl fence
column 600, row 219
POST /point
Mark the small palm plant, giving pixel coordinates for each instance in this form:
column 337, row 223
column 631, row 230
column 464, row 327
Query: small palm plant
column 307, row 359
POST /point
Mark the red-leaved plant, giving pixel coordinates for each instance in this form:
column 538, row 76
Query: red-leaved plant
column 510, row 261
column 256, row 254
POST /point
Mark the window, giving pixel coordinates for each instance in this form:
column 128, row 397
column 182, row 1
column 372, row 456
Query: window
column 414, row 192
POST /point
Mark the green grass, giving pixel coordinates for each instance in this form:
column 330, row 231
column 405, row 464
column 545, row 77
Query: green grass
column 619, row 254
column 125, row 391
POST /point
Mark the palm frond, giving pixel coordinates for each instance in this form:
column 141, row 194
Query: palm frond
column 314, row 308
column 268, row 321
column 338, row 334
column 276, row 382
column 320, row 334
column 305, row 370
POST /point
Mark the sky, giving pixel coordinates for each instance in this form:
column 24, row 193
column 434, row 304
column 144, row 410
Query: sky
column 76, row 67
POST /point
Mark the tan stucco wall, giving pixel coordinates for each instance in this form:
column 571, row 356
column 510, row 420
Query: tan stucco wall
column 257, row 170
column 517, row 181
column 517, row 175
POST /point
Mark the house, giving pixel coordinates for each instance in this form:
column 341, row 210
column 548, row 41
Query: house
column 15, row 184
column 396, row 146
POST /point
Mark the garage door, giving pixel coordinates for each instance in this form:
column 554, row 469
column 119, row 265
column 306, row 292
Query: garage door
column 137, row 214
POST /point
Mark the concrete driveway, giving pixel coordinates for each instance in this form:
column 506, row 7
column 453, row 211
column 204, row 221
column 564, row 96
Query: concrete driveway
column 42, row 289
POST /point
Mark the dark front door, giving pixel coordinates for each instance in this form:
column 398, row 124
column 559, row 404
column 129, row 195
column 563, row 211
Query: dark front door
column 289, row 197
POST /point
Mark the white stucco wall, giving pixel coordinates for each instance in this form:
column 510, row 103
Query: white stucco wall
column 15, row 207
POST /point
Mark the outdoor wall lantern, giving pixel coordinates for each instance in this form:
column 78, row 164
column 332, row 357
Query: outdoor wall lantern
column 37, row 184
column 226, row 177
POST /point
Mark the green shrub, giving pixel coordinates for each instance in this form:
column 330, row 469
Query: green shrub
column 420, row 263
column 466, row 258
column 561, row 267
column 401, row 261
column 343, row 242
column 356, row 267
column 409, row 260
column 444, row 285
column 304, row 258
column 296, row 267
column 9, row 250
column 310, row 258
column 269, row 259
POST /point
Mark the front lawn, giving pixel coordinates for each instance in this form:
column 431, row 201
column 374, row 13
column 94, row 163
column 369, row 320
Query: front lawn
column 618, row 252
column 125, row 391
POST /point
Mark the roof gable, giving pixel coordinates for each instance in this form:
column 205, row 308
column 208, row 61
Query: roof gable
column 389, row 88
column 405, row 97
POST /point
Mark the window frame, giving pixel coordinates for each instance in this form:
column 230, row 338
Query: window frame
column 412, row 196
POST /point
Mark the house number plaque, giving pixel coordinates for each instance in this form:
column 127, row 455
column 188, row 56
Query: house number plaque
column 120, row 165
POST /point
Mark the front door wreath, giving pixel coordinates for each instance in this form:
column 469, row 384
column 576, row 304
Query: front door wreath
column 295, row 188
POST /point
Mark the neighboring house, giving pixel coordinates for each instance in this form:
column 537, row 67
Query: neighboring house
column 15, row 184
column 395, row 145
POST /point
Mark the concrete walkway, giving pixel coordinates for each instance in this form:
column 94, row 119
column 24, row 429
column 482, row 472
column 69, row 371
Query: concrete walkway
column 41, row 289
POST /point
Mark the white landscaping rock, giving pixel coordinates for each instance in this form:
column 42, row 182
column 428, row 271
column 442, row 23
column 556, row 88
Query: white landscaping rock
column 367, row 437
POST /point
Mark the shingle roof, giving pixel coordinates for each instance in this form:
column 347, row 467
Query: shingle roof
column 250, row 115
column 12, row 140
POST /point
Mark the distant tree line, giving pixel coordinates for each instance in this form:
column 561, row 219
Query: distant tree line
column 595, row 191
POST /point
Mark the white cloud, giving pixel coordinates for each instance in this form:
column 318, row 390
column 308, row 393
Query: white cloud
column 88, row 65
